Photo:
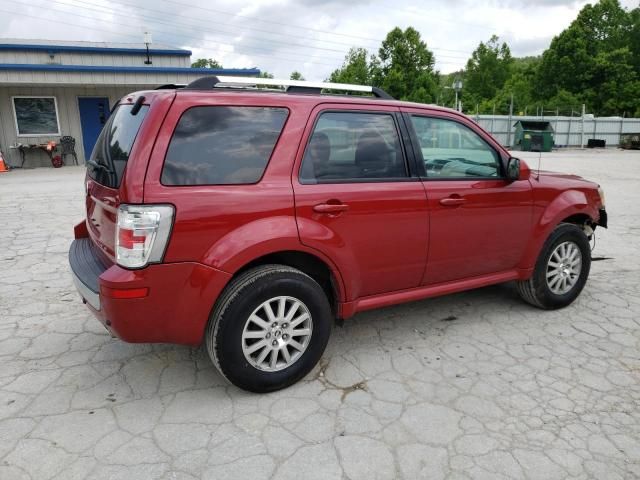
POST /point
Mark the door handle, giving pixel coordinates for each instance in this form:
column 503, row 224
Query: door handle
column 331, row 208
column 452, row 201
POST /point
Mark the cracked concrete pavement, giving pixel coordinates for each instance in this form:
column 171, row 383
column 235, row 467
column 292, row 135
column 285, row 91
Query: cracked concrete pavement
column 469, row 386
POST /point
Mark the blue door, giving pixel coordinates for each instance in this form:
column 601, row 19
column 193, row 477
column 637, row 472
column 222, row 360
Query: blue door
column 94, row 112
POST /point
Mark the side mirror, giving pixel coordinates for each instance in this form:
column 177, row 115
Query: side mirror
column 513, row 169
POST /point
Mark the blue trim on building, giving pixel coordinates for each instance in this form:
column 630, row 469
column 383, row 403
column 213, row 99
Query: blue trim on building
column 106, row 50
column 117, row 69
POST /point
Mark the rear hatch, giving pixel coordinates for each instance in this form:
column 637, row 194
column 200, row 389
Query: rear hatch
column 112, row 156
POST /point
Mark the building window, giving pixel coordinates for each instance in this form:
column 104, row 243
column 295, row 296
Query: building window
column 36, row 116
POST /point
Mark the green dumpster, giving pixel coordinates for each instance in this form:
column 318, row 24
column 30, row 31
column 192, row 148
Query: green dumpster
column 533, row 136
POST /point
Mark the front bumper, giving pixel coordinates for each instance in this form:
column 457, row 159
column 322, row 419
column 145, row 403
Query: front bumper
column 176, row 308
column 603, row 218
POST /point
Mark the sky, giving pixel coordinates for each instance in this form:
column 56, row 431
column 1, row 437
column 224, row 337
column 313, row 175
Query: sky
column 310, row 36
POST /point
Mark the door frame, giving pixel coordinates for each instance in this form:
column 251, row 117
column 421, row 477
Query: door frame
column 107, row 111
column 503, row 156
column 352, row 291
column 406, row 113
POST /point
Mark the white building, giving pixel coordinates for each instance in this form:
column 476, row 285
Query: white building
column 50, row 89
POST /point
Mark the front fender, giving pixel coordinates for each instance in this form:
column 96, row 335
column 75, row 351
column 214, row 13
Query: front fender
column 277, row 234
column 565, row 205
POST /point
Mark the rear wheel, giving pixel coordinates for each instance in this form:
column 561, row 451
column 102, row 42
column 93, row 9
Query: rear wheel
column 561, row 270
column 269, row 328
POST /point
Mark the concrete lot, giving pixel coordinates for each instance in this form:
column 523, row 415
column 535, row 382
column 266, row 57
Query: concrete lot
column 474, row 385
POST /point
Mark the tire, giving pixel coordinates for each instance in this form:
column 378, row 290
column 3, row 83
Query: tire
column 550, row 295
column 237, row 326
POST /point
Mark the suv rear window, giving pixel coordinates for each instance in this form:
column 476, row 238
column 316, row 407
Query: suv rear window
column 111, row 152
column 222, row 145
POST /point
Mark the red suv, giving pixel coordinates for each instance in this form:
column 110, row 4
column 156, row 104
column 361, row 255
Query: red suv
column 251, row 217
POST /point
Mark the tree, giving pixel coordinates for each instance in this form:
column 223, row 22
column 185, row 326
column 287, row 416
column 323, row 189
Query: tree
column 206, row 63
column 489, row 67
column 265, row 75
column 296, row 75
column 634, row 38
column 405, row 67
column 519, row 84
column 355, row 69
column 596, row 60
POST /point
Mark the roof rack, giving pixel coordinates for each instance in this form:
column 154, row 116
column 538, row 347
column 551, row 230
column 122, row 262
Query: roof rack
column 290, row 86
column 170, row 86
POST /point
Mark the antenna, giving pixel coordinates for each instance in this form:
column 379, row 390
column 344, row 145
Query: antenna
column 539, row 150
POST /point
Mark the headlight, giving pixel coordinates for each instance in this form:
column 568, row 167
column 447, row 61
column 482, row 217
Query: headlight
column 601, row 193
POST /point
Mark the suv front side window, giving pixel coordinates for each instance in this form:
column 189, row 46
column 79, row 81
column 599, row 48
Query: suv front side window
column 353, row 146
column 452, row 150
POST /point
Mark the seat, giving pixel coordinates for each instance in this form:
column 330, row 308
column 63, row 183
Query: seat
column 68, row 144
column 314, row 163
column 373, row 156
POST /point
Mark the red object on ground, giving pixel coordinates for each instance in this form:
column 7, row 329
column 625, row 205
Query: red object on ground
column 57, row 161
column 3, row 165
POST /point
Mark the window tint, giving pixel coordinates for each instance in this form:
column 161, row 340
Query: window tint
column 222, row 145
column 353, row 146
column 449, row 149
column 111, row 151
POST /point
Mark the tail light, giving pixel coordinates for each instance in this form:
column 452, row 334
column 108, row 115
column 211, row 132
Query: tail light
column 142, row 234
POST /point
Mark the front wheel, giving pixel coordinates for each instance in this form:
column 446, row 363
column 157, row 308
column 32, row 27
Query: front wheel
column 561, row 270
column 269, row 328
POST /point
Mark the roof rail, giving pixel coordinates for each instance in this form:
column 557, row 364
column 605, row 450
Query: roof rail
column 170, row 86
column 290, row 86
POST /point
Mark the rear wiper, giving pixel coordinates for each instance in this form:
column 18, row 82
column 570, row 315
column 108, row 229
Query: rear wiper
column 100, row 166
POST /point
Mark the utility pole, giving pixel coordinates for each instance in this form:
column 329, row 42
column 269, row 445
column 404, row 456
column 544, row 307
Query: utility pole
column 457, row 86
column 510, row 119
column 147, row 42
column 582, row 133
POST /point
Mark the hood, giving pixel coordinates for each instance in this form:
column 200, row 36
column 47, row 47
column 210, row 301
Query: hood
column 548, row 174
column 563, row 180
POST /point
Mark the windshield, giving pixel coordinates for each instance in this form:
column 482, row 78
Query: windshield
column 111, row 152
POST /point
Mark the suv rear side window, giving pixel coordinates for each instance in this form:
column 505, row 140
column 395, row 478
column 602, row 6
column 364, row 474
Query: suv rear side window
column 222, row 145
column 353, row 146
column 111, row 151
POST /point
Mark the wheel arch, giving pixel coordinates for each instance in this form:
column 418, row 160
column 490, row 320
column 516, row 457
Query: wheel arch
column 318, row 268
column 572, row 206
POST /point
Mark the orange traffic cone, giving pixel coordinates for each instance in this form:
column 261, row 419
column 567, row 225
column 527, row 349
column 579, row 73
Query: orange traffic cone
column 3, row 165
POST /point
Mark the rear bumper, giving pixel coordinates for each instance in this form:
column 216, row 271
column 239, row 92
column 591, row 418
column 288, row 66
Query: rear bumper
column 86, row 268
column 178, row 301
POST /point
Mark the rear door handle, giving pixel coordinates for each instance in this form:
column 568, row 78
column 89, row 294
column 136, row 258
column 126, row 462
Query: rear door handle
column 452, row 201
column 331, row 208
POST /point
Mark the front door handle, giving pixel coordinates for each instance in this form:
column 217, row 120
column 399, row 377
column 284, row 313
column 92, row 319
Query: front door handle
column 452, row 201
column 331, row 208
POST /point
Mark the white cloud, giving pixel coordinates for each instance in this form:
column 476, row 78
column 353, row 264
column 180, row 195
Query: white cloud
column 280, row 36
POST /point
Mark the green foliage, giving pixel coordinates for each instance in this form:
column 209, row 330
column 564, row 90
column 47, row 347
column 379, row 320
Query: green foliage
column 356, row 69
column 265, row 75
column 405, row 67
column 489, row 67
column 296, row 75
column 206, row 63
column 596, row 60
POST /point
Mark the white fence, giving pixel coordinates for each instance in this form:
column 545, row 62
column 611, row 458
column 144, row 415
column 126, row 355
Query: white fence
column 569, row 131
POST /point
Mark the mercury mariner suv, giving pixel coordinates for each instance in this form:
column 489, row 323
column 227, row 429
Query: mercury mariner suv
column 250, row 213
